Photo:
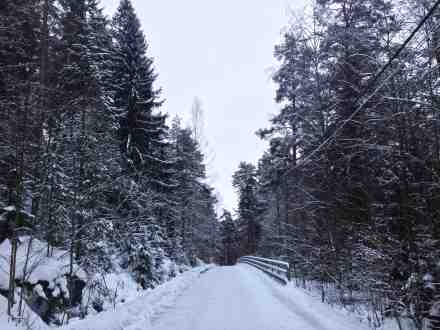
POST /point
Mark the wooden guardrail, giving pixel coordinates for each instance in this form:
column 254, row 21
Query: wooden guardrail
column 279, row 270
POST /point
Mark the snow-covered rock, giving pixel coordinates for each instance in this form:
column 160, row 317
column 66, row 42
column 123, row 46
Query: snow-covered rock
column 45, row 280
column 28, row 320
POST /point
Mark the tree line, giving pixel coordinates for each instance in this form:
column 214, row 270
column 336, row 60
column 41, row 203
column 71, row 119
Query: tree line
column 348, row 190
column 88, row 162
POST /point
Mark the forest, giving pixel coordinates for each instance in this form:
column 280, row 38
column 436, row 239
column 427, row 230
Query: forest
column 88, row 162
column 347, row 192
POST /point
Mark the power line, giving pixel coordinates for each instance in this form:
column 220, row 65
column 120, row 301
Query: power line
column 370, row 84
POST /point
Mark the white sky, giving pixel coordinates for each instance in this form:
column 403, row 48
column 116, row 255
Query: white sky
column 222, row 53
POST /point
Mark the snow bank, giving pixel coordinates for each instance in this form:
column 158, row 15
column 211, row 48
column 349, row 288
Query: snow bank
column 117, row 288
column 39, row 267
column 311, row 299
column 296, row 306
column 29, row 321
column 140, row 312
column 106, row 291
column 43, row 279
column 103, row 292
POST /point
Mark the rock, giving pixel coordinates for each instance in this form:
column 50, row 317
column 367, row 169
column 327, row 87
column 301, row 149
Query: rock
column 75, row 286
column 41, row 307
column 4, row 292
column 98, row 305
column 50, row 302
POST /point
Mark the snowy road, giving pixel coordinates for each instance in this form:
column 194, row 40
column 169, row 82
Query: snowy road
column 243, row 298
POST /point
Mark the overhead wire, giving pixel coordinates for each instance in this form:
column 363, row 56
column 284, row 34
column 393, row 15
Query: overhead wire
column 370, row 84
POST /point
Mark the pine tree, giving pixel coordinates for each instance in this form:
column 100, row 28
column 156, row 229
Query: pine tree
column 230, row 240
column 245, row 182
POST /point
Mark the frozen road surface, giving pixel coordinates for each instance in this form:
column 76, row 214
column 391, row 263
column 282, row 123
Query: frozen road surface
column 244, row 298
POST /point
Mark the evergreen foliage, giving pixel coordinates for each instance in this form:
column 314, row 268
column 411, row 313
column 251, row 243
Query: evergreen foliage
column 87, row 161
column 350, row 179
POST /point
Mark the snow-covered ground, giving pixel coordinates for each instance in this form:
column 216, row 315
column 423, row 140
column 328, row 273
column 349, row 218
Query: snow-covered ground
column 112, row 290
column 244, row 298
column 141, row 313
column 31, row 321
column 220, row 298
column 35, row 266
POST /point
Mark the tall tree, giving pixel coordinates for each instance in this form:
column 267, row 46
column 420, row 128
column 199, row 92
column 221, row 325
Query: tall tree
column 18, row 67
column 245, row 182
column 194, row 209
column 141, row 131
column 229, row 239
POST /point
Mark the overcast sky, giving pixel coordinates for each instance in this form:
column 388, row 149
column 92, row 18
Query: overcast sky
column 222, row 53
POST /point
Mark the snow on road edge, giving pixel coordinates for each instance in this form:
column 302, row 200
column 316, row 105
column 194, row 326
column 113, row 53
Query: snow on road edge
column 141, row 312
column 309, row 306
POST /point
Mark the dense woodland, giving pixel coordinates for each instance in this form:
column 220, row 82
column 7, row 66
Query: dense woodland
column 348, row 190
column 88, row 162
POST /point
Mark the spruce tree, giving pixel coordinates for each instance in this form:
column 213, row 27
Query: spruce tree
column 229, row 238
column 19, row 23
column 245, row 182
column 194, row 215
column 142, row 131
